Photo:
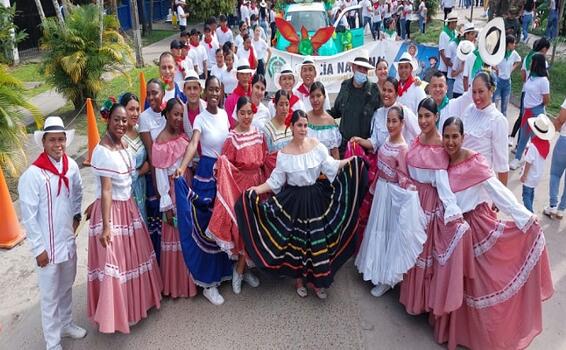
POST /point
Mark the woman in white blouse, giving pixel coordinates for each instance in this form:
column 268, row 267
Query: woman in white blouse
column 486, row 128
column 307, row 230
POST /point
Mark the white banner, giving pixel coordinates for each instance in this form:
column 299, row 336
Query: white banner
column 333, row 70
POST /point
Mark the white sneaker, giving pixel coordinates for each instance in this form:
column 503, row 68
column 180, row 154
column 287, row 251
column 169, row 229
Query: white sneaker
column 213, row 295
column 559, row 214
column 251, row 279
column 236, row 281
column 515, row 164
column 379, row 290
column 73, row 331
column 550, row 212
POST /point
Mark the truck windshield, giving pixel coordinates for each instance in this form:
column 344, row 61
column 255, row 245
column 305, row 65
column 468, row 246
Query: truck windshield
column 312, row 20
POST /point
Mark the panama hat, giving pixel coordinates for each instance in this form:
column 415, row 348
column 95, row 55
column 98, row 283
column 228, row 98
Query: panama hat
column 406, row 58
column 465, row 49
column 307, row 61
column 191, row 76
column 362, row 59
column 263, row 3
column 53, row 124
column 491, row 42
column 285, row 70
column 542, row 127
column 243, row 66
column 467, row 28
column 452, row 17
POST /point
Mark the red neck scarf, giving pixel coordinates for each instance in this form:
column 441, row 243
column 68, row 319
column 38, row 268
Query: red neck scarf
column 43, row 162
column 292, row 100
column 179, row 61
column 209, row 42
column 193, row 45
column 224, row 29
column 403, row 87
column 239, row 91
column 254, row 108
column 251, row 58
column 542, row 146
column 303, row 90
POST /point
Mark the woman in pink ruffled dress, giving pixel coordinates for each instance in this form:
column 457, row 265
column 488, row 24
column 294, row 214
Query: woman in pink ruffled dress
column 239, row 167
column 167, row 153
column 123, row 276
column 503, row 302
column 436, row 283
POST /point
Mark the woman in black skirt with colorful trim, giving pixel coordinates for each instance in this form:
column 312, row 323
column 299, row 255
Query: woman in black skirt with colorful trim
column 307, row 230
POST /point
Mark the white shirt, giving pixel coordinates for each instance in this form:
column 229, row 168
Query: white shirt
column 379, row 132
column 224, row 37
column 243, row 53
column 260, row 47
column 187, row 127
column 456, row 108
column 210, row 52
column 447, row 3
column 118, row 166
column 198, row 55
column 443, row 42
column 377, row 14
column 459, row 79
column 150, row 120
column 485, row 131
column 535, row 88
column 186, row 64
column 451, row 53
column 181, row 16
column 217, row 72
column 245, row 13
column 365, row 11
column 468, row 67
column 261, row 117
column 302, row 169
column 229, row 80
column 238, row 41
column 412, row 97
column 533, row 157
column 504, row 68
column 214, row 130
column 307, row 102
column 422, row 9
column 48, row 217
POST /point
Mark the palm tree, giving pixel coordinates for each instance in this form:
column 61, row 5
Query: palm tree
column 12, row 131
column 58, row 12
column 76, row 56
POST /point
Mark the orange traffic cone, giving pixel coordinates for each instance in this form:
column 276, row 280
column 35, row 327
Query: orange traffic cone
column 10, row 230
column 92, row 129
column 143, row 91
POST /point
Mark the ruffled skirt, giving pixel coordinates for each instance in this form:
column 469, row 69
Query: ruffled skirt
column 209, row 265
column 394, row 236
column 223, row 226
column 123, row 278
column 305, row 232
column 502, row 306
column 436, row 282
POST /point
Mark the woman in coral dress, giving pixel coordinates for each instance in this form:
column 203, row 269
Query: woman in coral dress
column 436, row 282
column 394, row 236
column 503, row 302
column 123, row 276
column 167, row 152
column 239, row 167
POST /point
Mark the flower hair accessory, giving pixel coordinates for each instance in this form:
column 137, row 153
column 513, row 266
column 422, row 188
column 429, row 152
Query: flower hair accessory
column 106, row 106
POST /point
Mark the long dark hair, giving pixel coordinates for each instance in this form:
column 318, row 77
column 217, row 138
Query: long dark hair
column 538, row 65
column 169, row 106
column 429, row 104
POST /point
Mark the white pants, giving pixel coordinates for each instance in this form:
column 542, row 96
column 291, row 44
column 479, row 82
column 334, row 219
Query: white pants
column 55, row 287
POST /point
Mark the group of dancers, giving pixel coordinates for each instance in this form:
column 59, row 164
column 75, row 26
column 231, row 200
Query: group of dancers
column 191, row 195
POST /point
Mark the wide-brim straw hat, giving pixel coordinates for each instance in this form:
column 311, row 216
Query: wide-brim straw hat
column 542, row 127
column 492, row 43
column 53, row 124
column 465, row 49
column 405, row 58
column 285, row 70
column 362, row 59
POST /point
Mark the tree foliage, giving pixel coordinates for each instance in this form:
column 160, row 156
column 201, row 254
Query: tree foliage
column 6, row 26
column 203, row 9
column 12, row 130
column 75, row 58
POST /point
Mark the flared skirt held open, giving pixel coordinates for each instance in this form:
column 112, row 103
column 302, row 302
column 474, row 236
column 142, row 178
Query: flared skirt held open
column 305, row 232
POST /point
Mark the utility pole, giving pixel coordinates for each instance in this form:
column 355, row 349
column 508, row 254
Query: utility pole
column 15, row 53
column 556, row 40
column 136, row 32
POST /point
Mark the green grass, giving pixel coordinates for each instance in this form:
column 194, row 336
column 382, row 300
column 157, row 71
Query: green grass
column 557, row 82
column 29, row 72
column 432, row 32
column 157, row 35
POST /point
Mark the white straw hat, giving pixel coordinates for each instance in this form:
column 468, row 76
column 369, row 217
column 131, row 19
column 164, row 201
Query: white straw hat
column 542, row 127
column 362, row 59
column 285, row 70
column 465, row 49
column 53, row 124
column 491, row 42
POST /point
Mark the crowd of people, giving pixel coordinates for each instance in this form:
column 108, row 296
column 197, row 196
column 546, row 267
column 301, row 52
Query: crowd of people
column 209, row 181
